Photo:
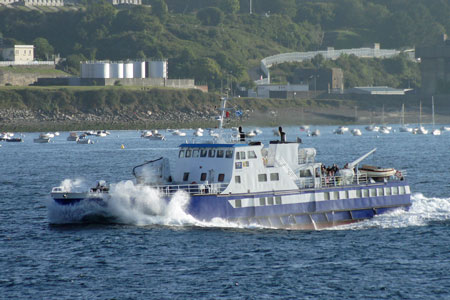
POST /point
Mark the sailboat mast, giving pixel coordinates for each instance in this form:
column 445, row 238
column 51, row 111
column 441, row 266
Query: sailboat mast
column 420, row 113
column 403, row 114
column 432, row 109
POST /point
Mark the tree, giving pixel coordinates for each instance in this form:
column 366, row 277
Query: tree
column 210, row 16
column 159, row 9
column 229, row 6
column 43, row 49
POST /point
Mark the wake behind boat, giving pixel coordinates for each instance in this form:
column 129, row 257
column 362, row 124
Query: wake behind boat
column 279, row 185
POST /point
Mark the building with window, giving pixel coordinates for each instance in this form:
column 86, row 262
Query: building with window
column 19, row 53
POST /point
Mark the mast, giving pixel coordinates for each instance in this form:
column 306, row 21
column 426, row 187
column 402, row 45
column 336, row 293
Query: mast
column 420, row 114
column 432, row 109
column 403, row 114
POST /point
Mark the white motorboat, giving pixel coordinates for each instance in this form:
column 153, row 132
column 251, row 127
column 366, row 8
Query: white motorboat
column 85, row 140
column 157, row 137
column 372, row 128
column 435, row 132
column 178, row 133
column 73, row 137
column 315, row 132
column 146, row 134
column 198, row 133
column 356, row 132
column 445, row 128
column 250, row 134
column 102, row 133
column 384, row 130
column 43, row 138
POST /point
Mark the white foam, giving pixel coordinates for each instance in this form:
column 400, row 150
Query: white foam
column 422, row 211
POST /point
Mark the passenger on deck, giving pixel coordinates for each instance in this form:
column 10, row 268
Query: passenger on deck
column 282, row 134
column 241, row 134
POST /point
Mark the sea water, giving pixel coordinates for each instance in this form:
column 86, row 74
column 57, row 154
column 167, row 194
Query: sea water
column 153, row 250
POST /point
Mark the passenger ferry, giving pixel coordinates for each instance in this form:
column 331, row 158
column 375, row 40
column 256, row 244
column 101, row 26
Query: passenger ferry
column 278, row 186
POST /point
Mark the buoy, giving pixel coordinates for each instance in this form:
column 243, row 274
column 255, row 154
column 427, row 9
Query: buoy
column 122, row 146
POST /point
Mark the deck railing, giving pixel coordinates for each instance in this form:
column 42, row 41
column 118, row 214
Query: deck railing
column 210, row 188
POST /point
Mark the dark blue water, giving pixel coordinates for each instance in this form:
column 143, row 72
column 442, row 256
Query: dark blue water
column 403, row 255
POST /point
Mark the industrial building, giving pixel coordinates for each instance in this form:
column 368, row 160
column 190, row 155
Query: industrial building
column 323, row 79
column 435, row 67
column 127, row 69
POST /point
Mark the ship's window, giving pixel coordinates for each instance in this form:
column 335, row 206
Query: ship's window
column 186, row 176
column 203, row 177
column 335, row 195
column 387, row 191
column 365, row 193
column 358, row 193
column 221, row 177
column 262, row 201
column 262, row 177
column 188, row 153
column 373, row 193
column 326, row 196
column 278, row 200
column 237, row 179
column 395, row 190
column 274, row 177
column 203, row 152
column 269, row 200
column 219, row 153
column 237, row 203
column 181, row 154
column 305, row 173
column 211, row 153
column 240, row 154
column 380, row 192
column 229, row 154
column 195, row 153
column 401, row 190
column 251, row 154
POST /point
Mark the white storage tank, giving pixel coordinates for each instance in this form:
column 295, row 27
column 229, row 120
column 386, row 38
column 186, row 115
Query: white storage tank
column 84, row 70
column 128, row 70
column 158, row 69
column 101, row 70
column 139, row 69
column 116, row 70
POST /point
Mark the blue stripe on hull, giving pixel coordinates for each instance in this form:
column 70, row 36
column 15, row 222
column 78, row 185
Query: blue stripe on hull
column 314, row 214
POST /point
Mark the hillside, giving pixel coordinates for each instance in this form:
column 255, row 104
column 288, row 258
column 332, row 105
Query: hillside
column 78, row 108
column 217, row 42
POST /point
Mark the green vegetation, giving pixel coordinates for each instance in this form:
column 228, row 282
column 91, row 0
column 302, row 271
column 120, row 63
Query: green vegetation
column 217, row 41
column 398, row 72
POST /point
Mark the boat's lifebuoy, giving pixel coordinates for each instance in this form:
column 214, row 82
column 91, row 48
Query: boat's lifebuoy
column 398, row 174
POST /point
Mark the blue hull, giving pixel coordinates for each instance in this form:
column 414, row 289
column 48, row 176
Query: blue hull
column 289, row 209
column 308, row 215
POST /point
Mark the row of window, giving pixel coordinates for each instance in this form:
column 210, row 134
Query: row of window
column 205, row 153
column 24, row 52
column 203, row 176
column 240, row 155
column 400, row 190
column 263, row 201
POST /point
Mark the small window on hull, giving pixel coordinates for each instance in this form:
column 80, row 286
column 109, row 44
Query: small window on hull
column 203, row 153
column 219, row 153
column 203, row 177
column 229, row 154
column 212, row 153
column 221, row 177
column 262, row 177
column 237, row 179
column 181, row 154
column 186, row 176
column 274, row 177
